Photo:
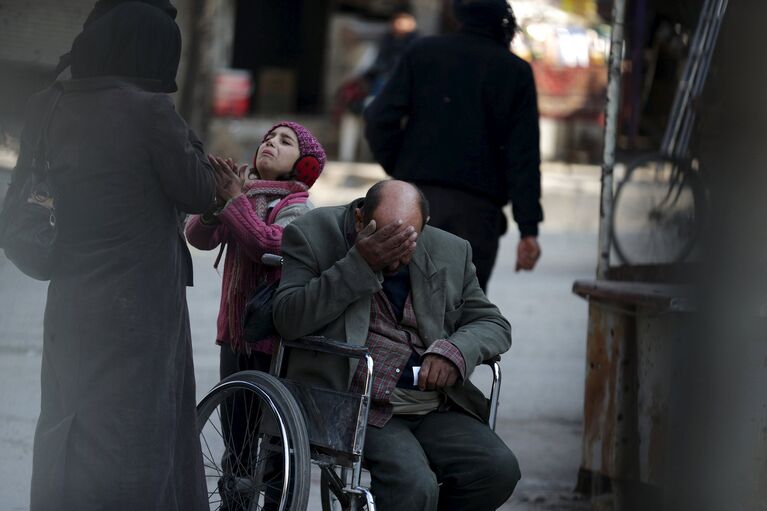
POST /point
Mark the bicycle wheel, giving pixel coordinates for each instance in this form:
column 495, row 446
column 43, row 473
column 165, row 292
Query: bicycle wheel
column 255, row 445
column 655, row 212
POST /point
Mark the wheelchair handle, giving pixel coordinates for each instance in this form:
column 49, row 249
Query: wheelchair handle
column 271, row 260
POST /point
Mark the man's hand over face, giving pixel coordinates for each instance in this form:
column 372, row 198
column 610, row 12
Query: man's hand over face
column 386, row 246
column 437, row 372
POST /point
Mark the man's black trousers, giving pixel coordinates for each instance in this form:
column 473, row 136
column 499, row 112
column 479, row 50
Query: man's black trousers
column 473, row 218
column 442, row 461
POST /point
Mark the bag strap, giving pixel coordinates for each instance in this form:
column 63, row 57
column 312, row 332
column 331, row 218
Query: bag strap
column 218, row 257
column 41, row 144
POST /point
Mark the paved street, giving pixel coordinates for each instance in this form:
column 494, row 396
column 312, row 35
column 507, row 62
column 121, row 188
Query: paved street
column 541, row 407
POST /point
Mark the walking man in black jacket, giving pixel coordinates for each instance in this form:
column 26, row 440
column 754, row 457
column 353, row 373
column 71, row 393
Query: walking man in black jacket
column 459, row 118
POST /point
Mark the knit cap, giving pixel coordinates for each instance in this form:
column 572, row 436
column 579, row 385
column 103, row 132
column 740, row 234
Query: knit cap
column 307, row 170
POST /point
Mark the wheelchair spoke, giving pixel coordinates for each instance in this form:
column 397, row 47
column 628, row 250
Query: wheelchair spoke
column 209, row 458
column 227, row 441
column 219, row 473
column 230, row 442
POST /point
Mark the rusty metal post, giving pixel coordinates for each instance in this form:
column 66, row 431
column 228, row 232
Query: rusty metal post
column 611, row 133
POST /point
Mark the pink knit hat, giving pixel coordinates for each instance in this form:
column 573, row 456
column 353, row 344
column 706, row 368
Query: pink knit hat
column 312, row 160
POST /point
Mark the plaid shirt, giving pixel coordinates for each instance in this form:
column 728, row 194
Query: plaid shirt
column 390, row 344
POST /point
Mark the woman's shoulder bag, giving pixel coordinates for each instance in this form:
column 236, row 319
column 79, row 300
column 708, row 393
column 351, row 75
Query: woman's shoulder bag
column 27, row 218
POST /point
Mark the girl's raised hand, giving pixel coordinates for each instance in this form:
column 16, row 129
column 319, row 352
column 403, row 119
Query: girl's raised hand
column 241, row 171
column 229, row 179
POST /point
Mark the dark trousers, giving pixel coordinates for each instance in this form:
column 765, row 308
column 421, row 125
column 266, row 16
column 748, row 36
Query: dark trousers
column 441, row 461
column 475, row 219
column 240, row 419
column 231, row 362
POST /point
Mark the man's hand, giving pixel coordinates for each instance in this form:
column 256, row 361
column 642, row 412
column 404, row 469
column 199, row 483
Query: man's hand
column 528, row 252
column 384, row 247
column 437, row 372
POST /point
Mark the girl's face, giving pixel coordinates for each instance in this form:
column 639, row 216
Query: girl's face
column 277, row 154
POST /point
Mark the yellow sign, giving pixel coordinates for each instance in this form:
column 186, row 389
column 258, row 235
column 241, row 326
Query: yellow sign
column 583, row 8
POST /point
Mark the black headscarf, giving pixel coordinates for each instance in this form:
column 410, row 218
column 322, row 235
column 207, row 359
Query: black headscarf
column 132, row 40
column 103, row 7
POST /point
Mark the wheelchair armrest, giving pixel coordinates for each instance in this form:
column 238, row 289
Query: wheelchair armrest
column 492, row 360
column 325, row 345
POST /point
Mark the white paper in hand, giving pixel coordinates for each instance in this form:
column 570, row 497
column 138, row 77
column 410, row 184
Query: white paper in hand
column 416, row 370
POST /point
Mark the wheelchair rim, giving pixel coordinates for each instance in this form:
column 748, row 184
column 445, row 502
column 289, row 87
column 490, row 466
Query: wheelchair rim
column 232, row 386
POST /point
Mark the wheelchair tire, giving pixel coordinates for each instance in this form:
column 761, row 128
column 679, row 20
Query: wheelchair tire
column 275, row 442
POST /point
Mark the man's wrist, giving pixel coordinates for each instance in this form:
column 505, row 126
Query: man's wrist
column 527, row 230
column 359, row 261
column 449, row 351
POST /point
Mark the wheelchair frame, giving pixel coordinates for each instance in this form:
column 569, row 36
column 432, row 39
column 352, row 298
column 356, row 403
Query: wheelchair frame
column 320, row 344
column 339, row 445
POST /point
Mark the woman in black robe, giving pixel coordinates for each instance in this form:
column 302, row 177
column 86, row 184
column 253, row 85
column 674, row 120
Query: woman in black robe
column 117, row 428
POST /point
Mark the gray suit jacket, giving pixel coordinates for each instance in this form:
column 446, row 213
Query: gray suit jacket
column 327, row 286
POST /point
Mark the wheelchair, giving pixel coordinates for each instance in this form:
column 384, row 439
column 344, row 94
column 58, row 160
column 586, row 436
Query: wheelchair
column 264, row 461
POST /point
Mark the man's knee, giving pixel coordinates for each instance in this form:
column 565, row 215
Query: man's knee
column 415, row 490
column 424, row 488
column 502, row 473
column 510, row 467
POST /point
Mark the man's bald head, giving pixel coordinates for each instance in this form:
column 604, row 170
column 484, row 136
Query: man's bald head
column 391, row 201
column 389, row 223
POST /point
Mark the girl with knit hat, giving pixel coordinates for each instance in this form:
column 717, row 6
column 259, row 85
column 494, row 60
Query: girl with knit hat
column 255, row 205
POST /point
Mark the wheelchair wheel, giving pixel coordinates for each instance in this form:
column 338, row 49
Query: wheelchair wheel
column 255, row 445
column 656, row 212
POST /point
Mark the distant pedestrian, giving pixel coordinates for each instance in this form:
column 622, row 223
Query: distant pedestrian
column 355, row 93
column 403, row 30
column 117, row 427
column 459, row 118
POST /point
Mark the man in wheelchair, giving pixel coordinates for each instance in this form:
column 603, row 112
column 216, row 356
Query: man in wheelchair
column 372, row 272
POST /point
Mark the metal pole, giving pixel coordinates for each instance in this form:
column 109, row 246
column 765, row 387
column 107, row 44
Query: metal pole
column 670, row 143
column 611, row 132
column 706, row 53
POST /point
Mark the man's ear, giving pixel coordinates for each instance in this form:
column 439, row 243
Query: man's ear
column 359, row 222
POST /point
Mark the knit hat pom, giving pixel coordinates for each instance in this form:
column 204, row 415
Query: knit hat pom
column 310, row 164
